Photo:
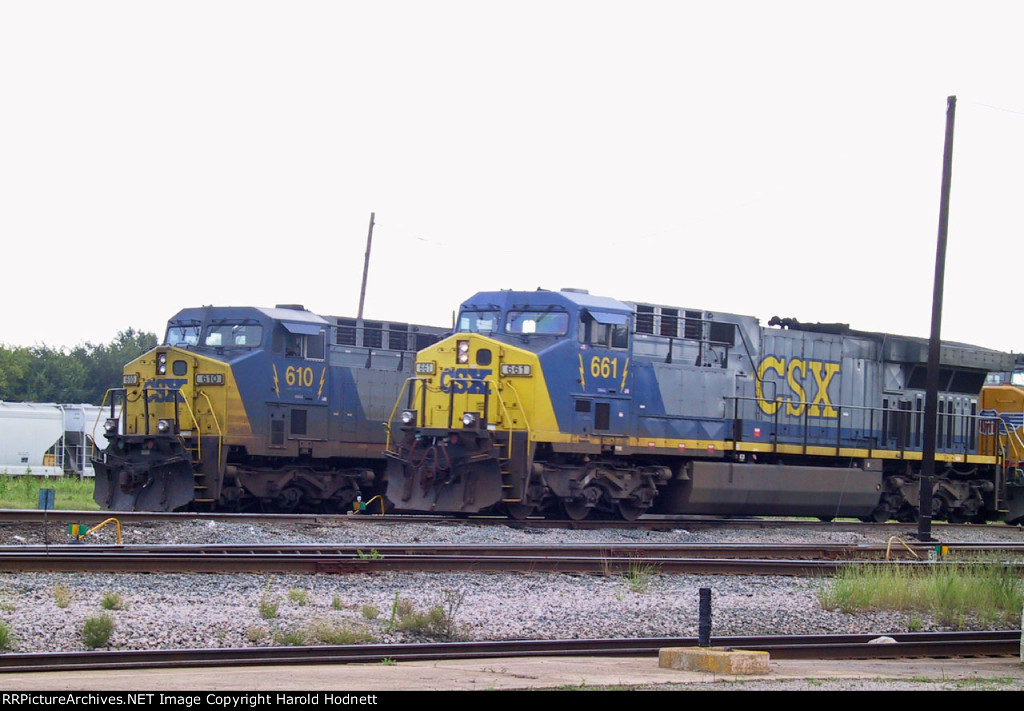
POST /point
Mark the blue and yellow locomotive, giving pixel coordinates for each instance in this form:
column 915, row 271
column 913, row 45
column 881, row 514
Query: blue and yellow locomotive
column 565, row 402
column 244, row 407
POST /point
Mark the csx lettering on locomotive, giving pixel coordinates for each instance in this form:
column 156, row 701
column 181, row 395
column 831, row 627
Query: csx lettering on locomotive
column 164, row 389
column 796, row 371
column 471, row 381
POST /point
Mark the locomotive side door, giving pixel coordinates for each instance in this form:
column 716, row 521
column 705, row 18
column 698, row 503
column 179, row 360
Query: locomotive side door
column 301, row 384
column 603, row 401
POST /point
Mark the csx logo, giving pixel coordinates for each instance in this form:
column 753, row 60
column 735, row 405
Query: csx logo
column 164, row 389
column 795, row 371
column 465, row 380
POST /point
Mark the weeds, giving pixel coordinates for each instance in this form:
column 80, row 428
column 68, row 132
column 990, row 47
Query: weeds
column 268, row 607
column 113, row 601
column 321, row 632
column 438, row 621
column 6, row 601
column 256, row 634
column 954, row 593
column 290, row 637
column 639, row 576
column 62, row 595
column 370, row 612
column 325, row 632
column 97, row 629
column 268, row 604
column 299, row 597
column 6, row 635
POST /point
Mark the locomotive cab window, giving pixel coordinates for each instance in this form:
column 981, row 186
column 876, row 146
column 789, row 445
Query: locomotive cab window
column 304, row 341
column 542, row 323
column 182, row 335
column 479, row 321
column 233, row 335
column 604, row 329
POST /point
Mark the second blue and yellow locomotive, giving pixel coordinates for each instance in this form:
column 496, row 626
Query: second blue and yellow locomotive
column 547, row 401
column 245, row 407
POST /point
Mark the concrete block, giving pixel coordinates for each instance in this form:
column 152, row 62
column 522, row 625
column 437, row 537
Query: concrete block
column 720, row 660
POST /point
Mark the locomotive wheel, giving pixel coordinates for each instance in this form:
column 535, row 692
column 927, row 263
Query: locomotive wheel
column 907, row 514
column 879, row 515
column 576, row 511
column 289, row 498
column 520, row 511
column 630, row 511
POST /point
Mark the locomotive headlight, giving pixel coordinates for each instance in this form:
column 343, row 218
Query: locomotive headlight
column 462, row 352
column 164, row 426
column 408, row 417
column 161, row 363
column 110, row 426
column 470, row 419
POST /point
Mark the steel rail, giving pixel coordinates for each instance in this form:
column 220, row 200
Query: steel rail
column 651, row 551
column 318, row 560
column 993, row 643
column 647, row 521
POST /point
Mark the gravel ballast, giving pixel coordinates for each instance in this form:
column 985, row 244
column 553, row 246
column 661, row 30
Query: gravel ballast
column 162, row 611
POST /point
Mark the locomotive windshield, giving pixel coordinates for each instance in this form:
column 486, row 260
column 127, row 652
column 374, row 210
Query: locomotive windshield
column 545, row 323
column 479, row 321
column 182, row 334
column 230, row 335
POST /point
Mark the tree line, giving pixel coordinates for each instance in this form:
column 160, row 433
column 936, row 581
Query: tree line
column 79, row 375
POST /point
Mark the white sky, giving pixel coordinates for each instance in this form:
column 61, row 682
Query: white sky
column 764, row 158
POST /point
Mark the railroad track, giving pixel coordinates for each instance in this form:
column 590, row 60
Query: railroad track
column 650, row 522
column 995, row 643
column 664, row 558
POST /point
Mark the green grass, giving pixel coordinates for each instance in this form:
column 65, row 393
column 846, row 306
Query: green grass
column 62, row 595
column 268, row 607
column 70, row 493
column 639, row 576
column 97, row 629
column 954, row 593
column 113, row 601
column 298, row 596
column 6, row 635
column 321, row 632
column 438, row 622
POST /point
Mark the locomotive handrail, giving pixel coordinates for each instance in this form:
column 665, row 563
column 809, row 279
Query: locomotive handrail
column 145, row 403
column 519, row 402
column 452, row 393
column 1013, row 437
column 511, row 432
column 177, row 416
column 398, row 400
column 963, row 446
column 113, row 413
column 220, row 432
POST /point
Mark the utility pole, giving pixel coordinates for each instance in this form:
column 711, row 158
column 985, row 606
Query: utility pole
column 931, row 395
column 366, row 269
